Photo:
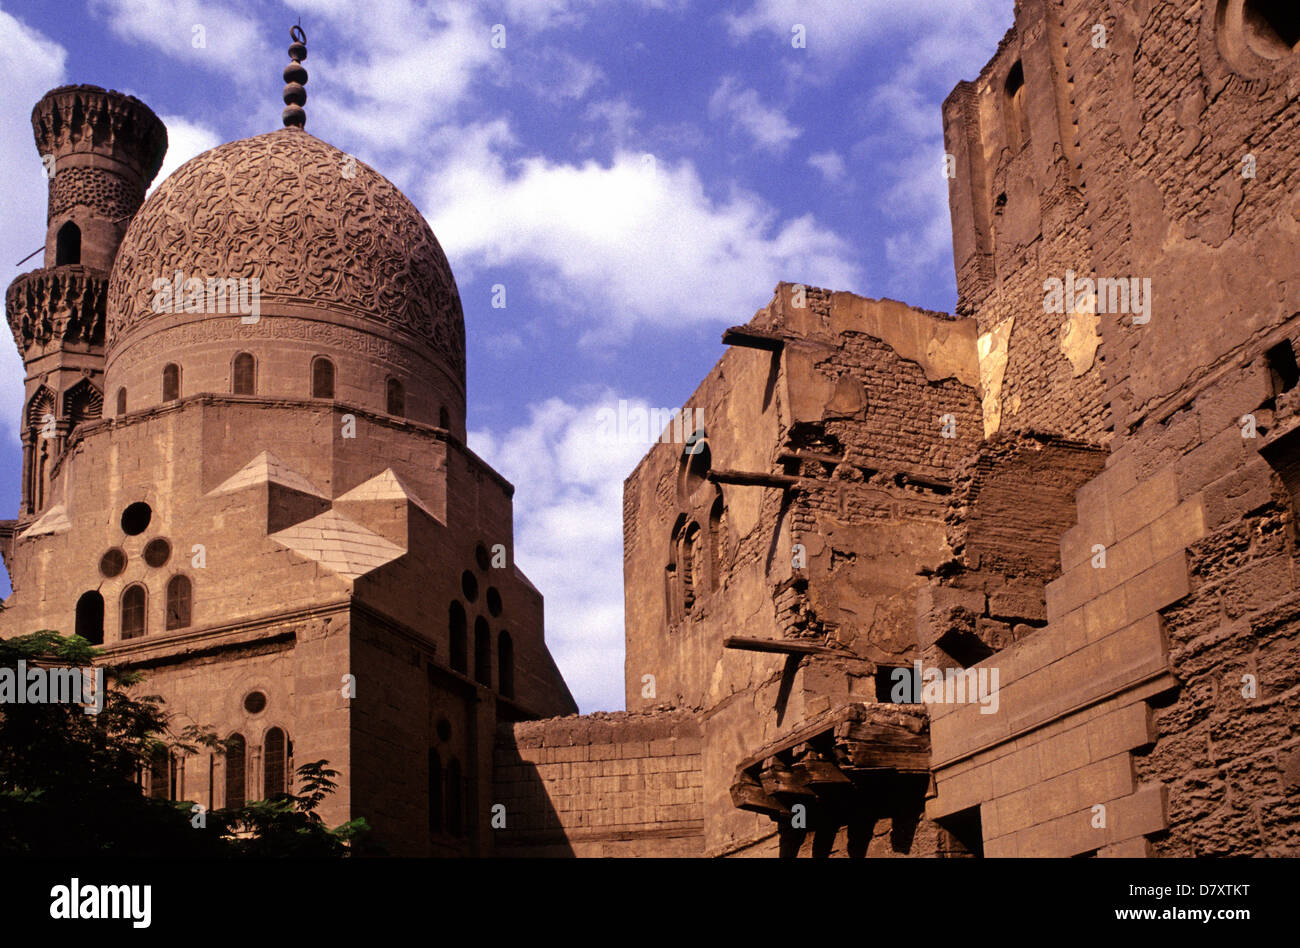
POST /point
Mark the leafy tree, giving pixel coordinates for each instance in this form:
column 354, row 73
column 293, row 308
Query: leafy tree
column 68, row 779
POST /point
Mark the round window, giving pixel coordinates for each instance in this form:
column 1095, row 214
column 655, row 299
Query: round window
column 112, row 563
column 494, row 601
column 157, row 552
column 135, row 518
column 255, row 703
column 469, row 585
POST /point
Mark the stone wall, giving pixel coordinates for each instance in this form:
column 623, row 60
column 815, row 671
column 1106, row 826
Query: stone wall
column 621, row 784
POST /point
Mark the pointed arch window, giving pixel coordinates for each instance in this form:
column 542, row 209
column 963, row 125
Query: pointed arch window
column 1014, row 108
column 121, row 401
column 235, row 769
column 506, row 664
column 180, row 597
column 435, row 791
column 457, row 651
column 455, row 819
column 482, row 652
column 67, row 245
column 275, row 767
column 134, row 601
column 90, row 617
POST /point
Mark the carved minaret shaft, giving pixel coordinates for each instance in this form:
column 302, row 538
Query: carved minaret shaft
column 100, row 150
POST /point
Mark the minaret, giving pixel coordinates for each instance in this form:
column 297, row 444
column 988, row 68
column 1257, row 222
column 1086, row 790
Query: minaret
column 100, row 150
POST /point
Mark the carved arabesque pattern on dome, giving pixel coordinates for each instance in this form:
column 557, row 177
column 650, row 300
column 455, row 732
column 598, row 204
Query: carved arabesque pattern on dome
column 282, row 207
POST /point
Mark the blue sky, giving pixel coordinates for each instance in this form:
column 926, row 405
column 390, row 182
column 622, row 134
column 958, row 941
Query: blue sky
column 637, row 174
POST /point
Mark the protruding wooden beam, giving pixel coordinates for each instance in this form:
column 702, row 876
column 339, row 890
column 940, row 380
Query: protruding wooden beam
column 748, row 794
column 783, row 646
column 754, row 479
column 751, row 338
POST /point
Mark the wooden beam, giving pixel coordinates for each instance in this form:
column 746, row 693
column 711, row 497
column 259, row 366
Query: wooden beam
column 810, row 456
column 751, row 338
column 783, row 646
column 754, row 479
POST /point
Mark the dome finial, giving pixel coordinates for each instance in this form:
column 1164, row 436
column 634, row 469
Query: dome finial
column 295, row 77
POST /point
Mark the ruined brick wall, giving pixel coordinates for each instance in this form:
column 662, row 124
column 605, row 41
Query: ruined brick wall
column 1018, row 213
column 615, row 784
column 820, row 499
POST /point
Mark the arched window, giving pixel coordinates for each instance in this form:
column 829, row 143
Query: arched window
column 243, row 375
column 717, row 541
column 482, row 652
column 160, row 774
column 455, row 822
column 90, row 617
column 396, row 398
column 171, row 382
column 235, row 751
column 322, row 378
column 67, row 245
column 506, row 664
column 274, row 768
column 121, row 401
column 458, row 627
column 435, row 792
column 133, row 612
column 179, row 602
column 1014, row 108
column 444, row 417
column 690, row 560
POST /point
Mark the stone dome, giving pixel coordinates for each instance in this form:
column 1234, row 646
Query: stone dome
column 328, row 238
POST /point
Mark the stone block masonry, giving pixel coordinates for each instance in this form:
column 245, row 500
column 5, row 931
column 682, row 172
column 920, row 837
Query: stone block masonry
column 624, row 784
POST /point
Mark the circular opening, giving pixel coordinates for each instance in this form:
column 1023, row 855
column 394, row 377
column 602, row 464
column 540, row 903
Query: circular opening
column 494, row 601
column 112, row 563
column 157, row 552
column 255, row 703
column 135, row 518
column 444, row 729
column 469, row 585
column 1272, row 27
column 481, row 555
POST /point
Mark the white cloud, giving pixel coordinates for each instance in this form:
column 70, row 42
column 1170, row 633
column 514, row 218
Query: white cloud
column 834, row 26
column 931, row 45
column 205, row 34
column 569, row 476
column 745, row 111
column 830, row 164
column 623, row 242
column 185, row 139
column 31, row 65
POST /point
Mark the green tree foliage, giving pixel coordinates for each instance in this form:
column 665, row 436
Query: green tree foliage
column 68, row 779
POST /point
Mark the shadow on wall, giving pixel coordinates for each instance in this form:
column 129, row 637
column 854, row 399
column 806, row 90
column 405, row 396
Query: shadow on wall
column 533, row 826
